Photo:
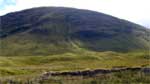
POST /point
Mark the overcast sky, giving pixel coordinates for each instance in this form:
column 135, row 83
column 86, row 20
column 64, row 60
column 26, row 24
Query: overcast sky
column 137, row 11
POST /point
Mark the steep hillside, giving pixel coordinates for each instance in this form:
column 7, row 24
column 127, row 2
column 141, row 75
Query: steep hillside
column 56, row 30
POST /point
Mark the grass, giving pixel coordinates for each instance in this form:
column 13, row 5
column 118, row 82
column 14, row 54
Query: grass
column 19, row 65
column 23, row 69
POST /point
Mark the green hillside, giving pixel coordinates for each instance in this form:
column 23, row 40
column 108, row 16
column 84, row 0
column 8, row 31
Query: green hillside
column 58, row 39
column 57, row 30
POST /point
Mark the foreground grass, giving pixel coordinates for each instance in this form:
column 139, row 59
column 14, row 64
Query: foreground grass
column 24, row 65
column 125, row 77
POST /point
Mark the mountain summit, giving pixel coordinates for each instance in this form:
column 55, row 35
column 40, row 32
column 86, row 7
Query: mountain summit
column 56, row 30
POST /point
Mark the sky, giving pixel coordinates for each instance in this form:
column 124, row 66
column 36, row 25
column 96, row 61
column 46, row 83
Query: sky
column 137, row 11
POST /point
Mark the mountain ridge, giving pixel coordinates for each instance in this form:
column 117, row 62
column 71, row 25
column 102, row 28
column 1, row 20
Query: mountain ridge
column 47, row 30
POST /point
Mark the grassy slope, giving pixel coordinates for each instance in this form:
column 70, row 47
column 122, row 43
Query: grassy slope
column 30, row 44
column 56, row 30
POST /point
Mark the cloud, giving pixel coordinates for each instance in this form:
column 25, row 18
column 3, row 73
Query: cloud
column 132, row 10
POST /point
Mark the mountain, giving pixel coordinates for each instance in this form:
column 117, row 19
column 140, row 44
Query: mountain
column 56, row 30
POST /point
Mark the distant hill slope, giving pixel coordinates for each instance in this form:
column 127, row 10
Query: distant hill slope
column 56, row 30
